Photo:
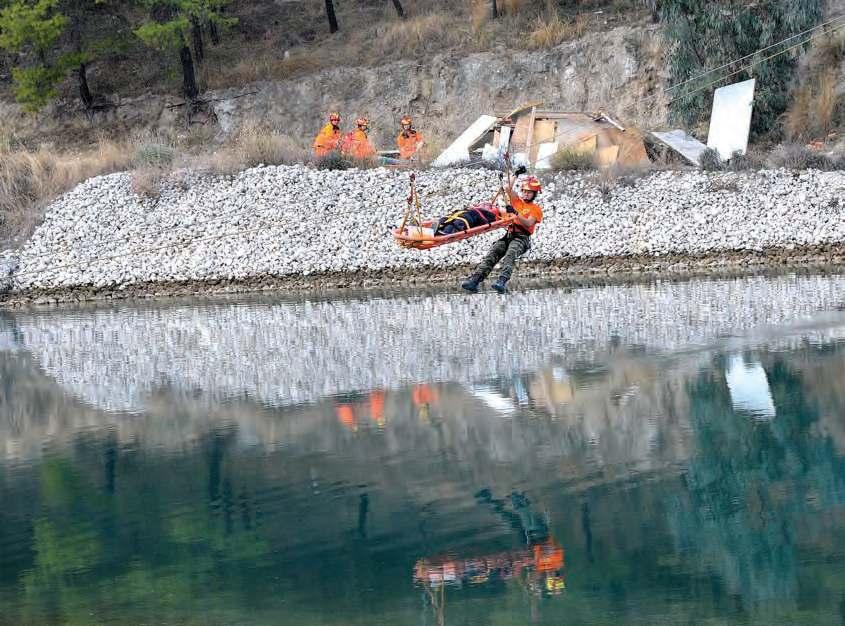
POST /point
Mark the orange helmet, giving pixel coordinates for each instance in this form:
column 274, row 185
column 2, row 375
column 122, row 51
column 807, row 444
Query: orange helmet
column 362, row 121
column 406, row 120
column 532, row 184
column 334, row 117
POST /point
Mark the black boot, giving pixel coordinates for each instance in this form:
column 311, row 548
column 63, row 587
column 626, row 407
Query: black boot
column 471, row 283
column 501, row 285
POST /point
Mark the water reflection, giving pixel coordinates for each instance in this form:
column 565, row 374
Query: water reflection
column 637, row 472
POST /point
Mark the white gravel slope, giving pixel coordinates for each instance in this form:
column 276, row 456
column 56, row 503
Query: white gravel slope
column 296, row 221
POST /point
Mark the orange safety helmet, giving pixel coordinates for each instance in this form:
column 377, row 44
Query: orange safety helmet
column 334, row 117
column 532, row 184
column 406, row 120
column 362, row 121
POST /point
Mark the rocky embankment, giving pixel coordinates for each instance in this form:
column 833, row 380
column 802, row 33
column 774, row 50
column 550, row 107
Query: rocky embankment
column 295, row 226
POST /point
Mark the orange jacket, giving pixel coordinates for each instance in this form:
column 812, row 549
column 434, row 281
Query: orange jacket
column 326, row 140
column 526, row 210
column 408, row 145
column 357, row 145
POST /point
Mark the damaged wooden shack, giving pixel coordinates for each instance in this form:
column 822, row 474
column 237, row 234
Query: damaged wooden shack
column 532, row 136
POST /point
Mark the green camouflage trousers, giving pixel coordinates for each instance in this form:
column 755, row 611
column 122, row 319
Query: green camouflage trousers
column 507, row 250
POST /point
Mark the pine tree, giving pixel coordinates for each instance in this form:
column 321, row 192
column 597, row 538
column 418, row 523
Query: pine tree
column 32, row 31
column 707, row 34
column 174, row 24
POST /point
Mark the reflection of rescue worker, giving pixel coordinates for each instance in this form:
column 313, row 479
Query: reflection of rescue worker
column 357, row 144
column 346, row 416
column 409, row 140
column 423, row 396
column 547, row 554
column 329, row 136
column 377, row 408
column 517, row 241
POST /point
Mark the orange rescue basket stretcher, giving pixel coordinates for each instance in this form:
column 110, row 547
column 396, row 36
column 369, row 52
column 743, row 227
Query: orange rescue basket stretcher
column 417, row 233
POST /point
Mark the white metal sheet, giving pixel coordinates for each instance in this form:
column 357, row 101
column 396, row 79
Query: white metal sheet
column 459, row 149
column 730, row 121
column 686, row 145
column 545, row 152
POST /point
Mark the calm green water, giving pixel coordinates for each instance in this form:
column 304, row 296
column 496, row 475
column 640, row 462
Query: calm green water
column 664, row 453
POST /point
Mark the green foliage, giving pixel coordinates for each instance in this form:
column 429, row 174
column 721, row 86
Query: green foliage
column 172, row 32
column 26, row 24
column 709, row 34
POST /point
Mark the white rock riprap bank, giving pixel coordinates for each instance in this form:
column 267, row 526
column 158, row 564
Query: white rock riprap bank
column 293, row 221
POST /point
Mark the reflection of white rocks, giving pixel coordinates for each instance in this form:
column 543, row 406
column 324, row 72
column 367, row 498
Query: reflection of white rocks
column 749, row 388
column 288, row 353
column 295, row 221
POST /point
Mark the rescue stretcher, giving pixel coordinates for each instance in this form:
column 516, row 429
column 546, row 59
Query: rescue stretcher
column 422, row 237
column 418, row 233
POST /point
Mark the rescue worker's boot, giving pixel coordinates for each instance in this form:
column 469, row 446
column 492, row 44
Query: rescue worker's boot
column 471, row 283
column 501, row 285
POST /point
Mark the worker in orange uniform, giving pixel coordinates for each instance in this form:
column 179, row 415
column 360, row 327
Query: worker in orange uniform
column 517, row 241
column 409, row 140
column 329, row 136
column 357, row 144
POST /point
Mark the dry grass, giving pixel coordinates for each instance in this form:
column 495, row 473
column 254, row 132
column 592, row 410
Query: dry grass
column 255, row 144
column 419, row 35
column 816, row 107
column 29, row 179
column 552, row 31
column 568, row 159
column 265, row 66
column 813, row 109
column 146, row 181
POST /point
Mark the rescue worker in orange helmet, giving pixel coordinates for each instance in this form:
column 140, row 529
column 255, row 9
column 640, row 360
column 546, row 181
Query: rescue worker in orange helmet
column 517, row 241
column 409, row 140
column 329, row 136
column 357, row 144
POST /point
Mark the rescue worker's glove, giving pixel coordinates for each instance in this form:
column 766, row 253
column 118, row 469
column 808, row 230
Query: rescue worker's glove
column 521, row 170
column 509, row 208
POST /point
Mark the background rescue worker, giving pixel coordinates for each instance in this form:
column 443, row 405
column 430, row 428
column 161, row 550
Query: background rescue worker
column 329, row 136
column 356, row 144
column 517, row 241
column 409, row 140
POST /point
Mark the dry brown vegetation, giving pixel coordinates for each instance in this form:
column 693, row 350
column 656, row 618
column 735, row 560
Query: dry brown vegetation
column 816, row 107
column 30, row 178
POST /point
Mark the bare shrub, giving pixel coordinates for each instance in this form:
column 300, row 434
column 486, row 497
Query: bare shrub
column 333, row 161
column 568, row 159
column 750, row 160
column 256, row 144
column 798, row 157
column 154, row 155
column 710, row 161
column 146, row 182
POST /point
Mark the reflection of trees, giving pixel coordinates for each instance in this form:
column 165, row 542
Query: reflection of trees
column 749, row 484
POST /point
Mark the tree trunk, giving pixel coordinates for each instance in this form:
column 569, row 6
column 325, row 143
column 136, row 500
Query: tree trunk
column 196, row 35
column 495, row 11
column 84, row 91
column 399, row 10
column 333, row 28
column 213, row 33
column 189, row 78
